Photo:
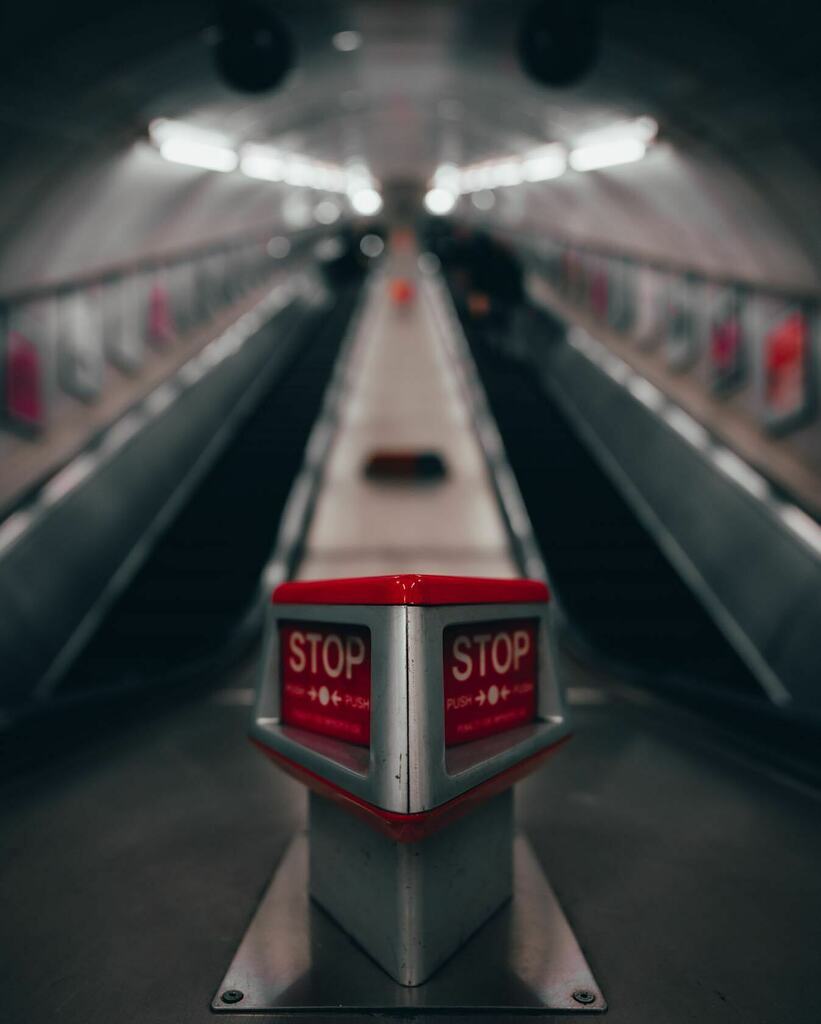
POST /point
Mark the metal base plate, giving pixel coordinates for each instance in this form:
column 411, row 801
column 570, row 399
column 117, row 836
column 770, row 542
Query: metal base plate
column 295, row 957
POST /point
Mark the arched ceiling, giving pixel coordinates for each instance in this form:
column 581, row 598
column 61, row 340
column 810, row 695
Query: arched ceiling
column 734, row 86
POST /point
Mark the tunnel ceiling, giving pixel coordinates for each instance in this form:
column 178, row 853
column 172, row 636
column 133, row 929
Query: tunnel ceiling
column 431, row 82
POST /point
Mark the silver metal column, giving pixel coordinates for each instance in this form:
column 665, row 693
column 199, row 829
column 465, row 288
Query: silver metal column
column 294, row 957
column 411, row 906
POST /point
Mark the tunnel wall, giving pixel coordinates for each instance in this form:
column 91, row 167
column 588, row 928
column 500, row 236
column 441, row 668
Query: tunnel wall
column 743, row 361
column 76, row 354
column 90, row 210
column 685, row 206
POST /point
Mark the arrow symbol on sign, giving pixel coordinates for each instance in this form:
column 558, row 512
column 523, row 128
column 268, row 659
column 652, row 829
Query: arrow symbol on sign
column 312, row 693
column 481, row 697
column 336, row 698
column 504, row 692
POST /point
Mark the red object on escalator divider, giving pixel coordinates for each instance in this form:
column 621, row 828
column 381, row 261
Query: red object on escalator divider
column 390, row 465
column 161, row 329
column 409, row 698
column 402, row 291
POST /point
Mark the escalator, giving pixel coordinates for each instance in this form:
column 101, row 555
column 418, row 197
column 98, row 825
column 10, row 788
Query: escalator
column 193, row 607
column 203, row 575
column 617, row 588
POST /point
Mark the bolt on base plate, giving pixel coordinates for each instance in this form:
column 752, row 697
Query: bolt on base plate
column 295, row 957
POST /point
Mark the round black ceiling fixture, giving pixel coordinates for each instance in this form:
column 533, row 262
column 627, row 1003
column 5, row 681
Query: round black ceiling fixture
column 559, row 40
column 254, row 49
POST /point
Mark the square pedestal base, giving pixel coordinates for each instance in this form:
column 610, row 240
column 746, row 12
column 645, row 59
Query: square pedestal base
column 295, row 957
column 411, row 906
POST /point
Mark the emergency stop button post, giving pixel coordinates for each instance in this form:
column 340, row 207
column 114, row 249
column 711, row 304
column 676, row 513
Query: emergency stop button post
column 326, row 679
column 405, row 693
column 404, row 703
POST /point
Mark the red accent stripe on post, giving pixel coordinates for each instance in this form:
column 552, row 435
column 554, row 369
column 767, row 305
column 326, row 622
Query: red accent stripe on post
column 411, row 828
column 412, row 589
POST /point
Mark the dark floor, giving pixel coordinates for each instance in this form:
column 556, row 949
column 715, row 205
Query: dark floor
column 130, row 869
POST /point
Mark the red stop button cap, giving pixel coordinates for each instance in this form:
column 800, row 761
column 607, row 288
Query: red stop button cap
column 409, row 697
column 412, row 589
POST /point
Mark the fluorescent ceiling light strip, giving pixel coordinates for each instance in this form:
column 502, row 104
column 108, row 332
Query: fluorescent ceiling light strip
column 199, row 154
column 268, row 164
column 297, row 171
column 446, row 176
column 606, row 154
column 545, row 164
column 623, row 142
column 506, row 173
column 641, row 129
column 263, row 163
column 188, row 144
column 196, row 147
column 161, row 129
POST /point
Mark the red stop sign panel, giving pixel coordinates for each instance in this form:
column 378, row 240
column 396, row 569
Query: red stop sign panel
column 326, row 679
column 489, row 678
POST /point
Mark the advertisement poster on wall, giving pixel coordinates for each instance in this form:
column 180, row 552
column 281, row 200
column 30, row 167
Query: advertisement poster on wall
column 182, row 286
column 160, row 327
column 621, row 300
column 203, row 293
column 682, row 328
column 238, row 272
column 727, row 355
column 552, row 260
column 80, row 360
column 599, row 279
column 786, row 366
column 573, row 276
column 249, row 263
column 123, row 304
column 650, row 306
column 216, row 281
column 28, row 364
